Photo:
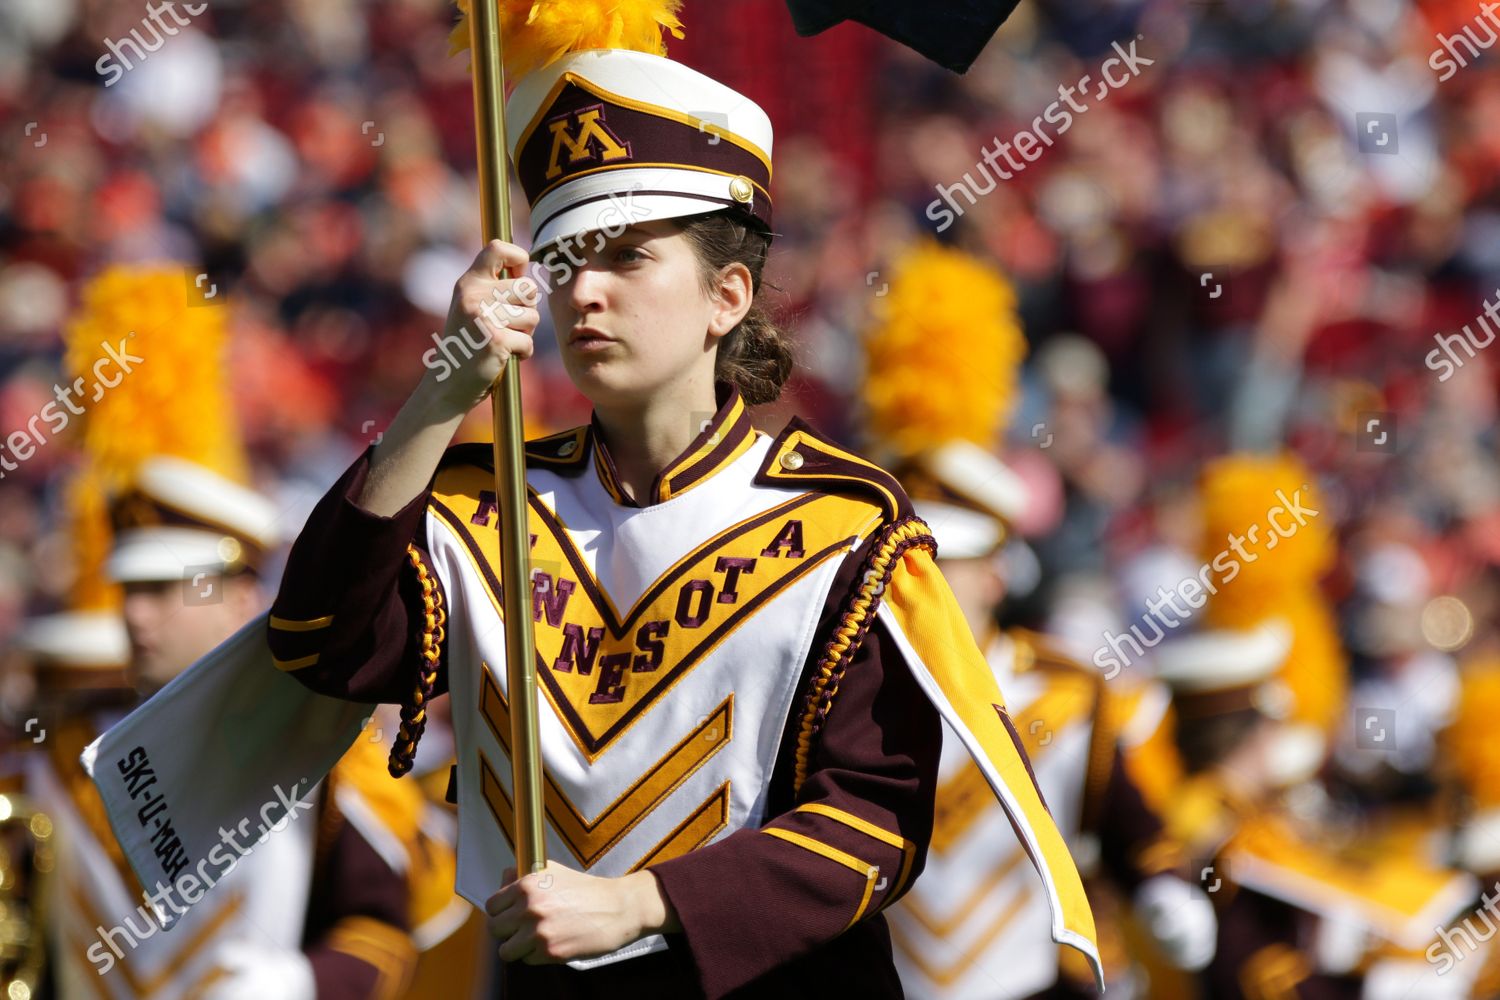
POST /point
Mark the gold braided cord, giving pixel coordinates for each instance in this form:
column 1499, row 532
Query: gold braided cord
column 859, row 614
column 414, row 713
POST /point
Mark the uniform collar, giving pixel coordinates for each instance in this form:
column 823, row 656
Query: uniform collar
column 724, row 438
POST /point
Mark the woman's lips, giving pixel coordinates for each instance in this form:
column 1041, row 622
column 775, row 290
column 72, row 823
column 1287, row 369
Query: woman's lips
column 588, row 339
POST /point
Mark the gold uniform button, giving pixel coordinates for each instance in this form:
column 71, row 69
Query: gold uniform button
column 741, row 190
column 792, row 461
column 567, row 448
column 230, row 550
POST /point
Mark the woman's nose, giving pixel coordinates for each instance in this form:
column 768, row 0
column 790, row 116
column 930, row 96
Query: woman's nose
column 586, row 289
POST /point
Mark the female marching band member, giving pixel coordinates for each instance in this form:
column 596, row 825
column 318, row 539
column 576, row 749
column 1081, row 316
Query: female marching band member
column 744, row 647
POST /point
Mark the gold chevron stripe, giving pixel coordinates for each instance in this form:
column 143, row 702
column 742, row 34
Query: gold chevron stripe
column 948, row 974
column 199, row 990
column 145, row 987
column 497, row 800
column 706, row 821
column 589, row 840
column 966, row 796
column 944, row 928
column 90, row 973
column 961, row 799
column 830, row 523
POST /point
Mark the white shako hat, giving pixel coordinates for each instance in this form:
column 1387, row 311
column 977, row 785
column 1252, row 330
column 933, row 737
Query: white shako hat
column 967, row 496
column 604, row 138
column 1225, row 670
column 76, row 640
column 180, row 518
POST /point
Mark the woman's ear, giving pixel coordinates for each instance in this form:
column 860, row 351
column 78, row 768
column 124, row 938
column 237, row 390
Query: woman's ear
column 735, row 294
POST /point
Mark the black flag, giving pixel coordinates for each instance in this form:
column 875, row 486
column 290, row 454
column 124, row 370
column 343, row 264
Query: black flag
column 951, row 33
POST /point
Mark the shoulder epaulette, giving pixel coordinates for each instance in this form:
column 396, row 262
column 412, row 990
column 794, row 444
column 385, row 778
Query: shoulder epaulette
column 556, row 451
column 803, row 458
column 1036, row 651
column 559, row 451
column 395, row 804
column 1045, row 657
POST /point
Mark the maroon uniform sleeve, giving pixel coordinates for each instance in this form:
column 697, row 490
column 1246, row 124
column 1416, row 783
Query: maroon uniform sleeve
column 851, row 843
column 1133, row 846
column 1263, row 952
column 347, row 619
column 357, row 937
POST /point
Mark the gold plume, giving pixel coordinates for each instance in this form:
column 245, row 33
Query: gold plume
column 1470, row 740
column 1278, row 576
column 942, row 353
column 174, row 400
column 534, row 33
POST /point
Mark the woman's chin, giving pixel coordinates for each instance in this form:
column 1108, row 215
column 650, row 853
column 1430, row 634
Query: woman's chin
column 600, row 376
column 614, row 382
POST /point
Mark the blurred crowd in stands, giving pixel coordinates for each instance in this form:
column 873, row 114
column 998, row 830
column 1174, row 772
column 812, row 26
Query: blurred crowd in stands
column 1282, row 233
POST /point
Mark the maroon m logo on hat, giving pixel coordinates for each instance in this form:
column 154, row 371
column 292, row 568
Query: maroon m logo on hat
column 586, row 136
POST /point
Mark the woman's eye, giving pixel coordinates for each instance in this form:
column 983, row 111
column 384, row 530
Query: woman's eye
column 626, row 255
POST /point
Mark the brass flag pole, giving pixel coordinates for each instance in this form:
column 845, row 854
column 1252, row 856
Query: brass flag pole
column 510, row 469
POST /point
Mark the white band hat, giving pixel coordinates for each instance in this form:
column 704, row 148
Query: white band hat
column 1224, row 658
column 604, row 138
column 79, row 640
column 967, row 496
column 1227, row 670
column 181, row 519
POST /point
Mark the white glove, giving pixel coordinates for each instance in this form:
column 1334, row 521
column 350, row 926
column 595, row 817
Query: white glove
column 1405, row 979
column 256, row 971
column 1340, row 943
column 1180, row 919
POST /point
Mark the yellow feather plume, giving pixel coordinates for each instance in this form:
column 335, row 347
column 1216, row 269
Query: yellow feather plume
column 534, row 33
column 1237, row 494
column 943, row 352
column 1278, row 576
column 86, row 516
column 173, row 401
column 1470, row 740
